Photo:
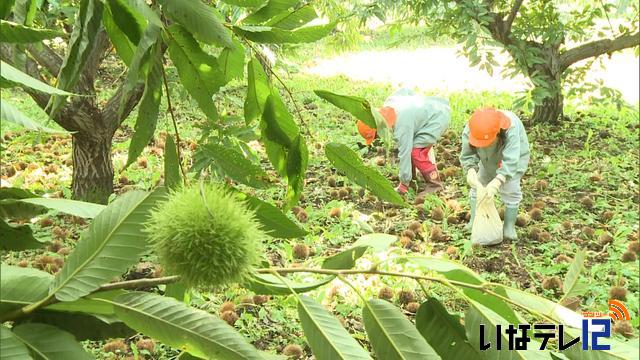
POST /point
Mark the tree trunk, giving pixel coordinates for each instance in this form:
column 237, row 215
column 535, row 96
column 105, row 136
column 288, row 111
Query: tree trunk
column 550, row 109
column 92, row 167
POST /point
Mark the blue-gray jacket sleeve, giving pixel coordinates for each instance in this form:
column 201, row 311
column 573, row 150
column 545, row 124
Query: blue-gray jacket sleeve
column 468, row 156
column 510, row 153
column 403, row 133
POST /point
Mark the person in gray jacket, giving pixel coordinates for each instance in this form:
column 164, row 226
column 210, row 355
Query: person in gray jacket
column 417, row 122
column 495, row 153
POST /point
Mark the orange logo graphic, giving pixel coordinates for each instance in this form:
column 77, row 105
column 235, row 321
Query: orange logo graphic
column 618, row 311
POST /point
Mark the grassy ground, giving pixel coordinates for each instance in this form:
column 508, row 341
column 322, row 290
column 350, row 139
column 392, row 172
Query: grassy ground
column 583, row 176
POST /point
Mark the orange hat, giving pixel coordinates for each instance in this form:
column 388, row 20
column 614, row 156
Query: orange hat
column 484, row 126
column 368, row 133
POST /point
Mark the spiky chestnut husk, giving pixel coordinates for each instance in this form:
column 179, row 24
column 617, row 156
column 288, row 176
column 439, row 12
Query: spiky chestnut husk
column 208, row 244
column 406, row 296
column 45, row 222
column 522, row 220
column 562, row 258
column 343, row 193
column 408, row 233
column 55, row 246
column 332, row 181
column 453, row 219
column 587, row 231
column 538, row 205
column 293, row 351
column 59, row 232
column 115, row 346
column 436, row 234
column 437, row 214
column 452, row 251
column 335, row 212
column 629, row 257
column 302, row 216
column 541, row 185
column 607, row 215
column 623, row 328
column 386, row 293
column 552, row 283
column 618, row 293
column 23, row 263
column 230, row 317
column 300, row 251
column 633, row 247
column 419, row 200
column 146, row 344
column 412, row 307
column 587, row 202
column 605, row 239
column 406, row 242
column 415, row 226
column 535, row 214
column 567, row 225
column 260, row 299
column 227, row 306
column 544, row 236
column 334, row 194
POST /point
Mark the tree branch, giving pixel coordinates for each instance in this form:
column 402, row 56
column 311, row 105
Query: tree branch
column 46, row 57
column 111, row 110
column 597, row 48
column 512, row 16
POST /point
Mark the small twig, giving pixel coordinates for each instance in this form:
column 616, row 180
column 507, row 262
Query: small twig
column 175, row 125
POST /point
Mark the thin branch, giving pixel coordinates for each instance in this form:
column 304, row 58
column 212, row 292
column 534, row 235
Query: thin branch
column 175, row 124
column 597, row 48
column 122, row 285
column 512, row 16
column 46, row 57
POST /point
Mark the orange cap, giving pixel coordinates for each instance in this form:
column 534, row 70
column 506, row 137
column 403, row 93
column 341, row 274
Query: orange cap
column 368, row 133
column 484, row 126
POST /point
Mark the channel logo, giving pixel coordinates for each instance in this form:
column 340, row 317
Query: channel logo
column 618, row 311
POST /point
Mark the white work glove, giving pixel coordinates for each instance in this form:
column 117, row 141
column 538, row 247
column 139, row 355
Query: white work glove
column 494, row 185
column 472, row 178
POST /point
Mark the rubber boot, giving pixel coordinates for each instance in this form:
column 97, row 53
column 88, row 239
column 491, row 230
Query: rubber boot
column 472, row 214
column 509, row 227
column 432, row 178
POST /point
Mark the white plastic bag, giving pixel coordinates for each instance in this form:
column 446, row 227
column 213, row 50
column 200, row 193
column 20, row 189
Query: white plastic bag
column 487, row 226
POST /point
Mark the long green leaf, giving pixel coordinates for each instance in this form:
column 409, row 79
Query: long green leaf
column 183, row 327
column 15, row 193
column 12, row 74
column 346, row 259
column 356, row 106
column 294, row 19
column 246, row 3
column 271, row 9
column 5, row 8
column 444, row 332
column 82, row 326
column 114, row 241
column 72, row 207
column 11, row 348
column 273, row 221
column 258, row 90
column 274, row 35
column 392, row 335
column 199, row 19
column 50, row 343
column 141, row 7
column 129, row 21
column 147, row 113
column 326, row 336
column 16, row 209
column 15, row 294
column 124, row 47
column 573, row 285
column 17, row 238
column 477, row 315
column 347, row 162
column 235, row 165
column 81, row 43
column 268, row 284
column 172, row 178
column 199, row 72
column 144, row 58
column 90, row 304
column 17, row 33
column 11, row 114
column 231, row 61
column 286, row 149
